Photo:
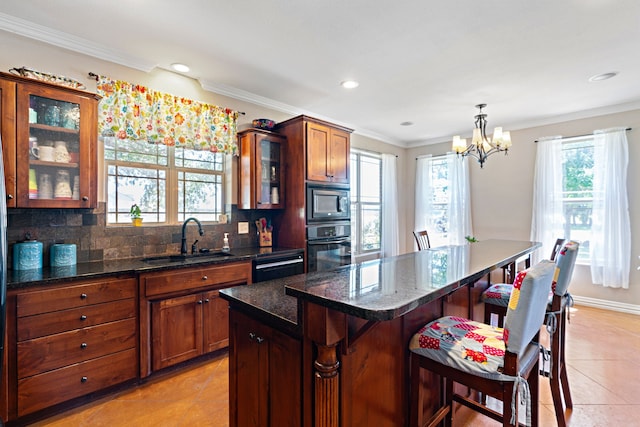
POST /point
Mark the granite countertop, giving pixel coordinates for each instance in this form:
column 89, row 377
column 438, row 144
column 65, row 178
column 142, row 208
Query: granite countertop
column 381, row 289
column 19, row 279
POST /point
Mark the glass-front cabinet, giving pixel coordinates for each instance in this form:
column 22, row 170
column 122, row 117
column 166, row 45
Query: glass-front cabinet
column 55, row 145
column 260, row 169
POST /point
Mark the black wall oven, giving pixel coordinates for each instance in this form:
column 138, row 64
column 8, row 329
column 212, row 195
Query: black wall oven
column 328, row 245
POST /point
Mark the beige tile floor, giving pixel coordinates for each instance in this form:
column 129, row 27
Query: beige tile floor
column 603, row 357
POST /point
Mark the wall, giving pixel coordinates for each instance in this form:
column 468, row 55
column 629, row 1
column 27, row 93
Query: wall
column 502, row 194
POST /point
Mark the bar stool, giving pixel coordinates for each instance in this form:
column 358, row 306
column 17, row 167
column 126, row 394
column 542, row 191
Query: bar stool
column 496, row 296
column 494, row 361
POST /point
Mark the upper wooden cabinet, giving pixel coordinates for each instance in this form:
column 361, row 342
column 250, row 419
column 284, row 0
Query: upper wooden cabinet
column 261, row 170
column 327, row 154
column 49, row 138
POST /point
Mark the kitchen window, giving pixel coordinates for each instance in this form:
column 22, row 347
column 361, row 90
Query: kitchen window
column 366, row 203
column 170, row 184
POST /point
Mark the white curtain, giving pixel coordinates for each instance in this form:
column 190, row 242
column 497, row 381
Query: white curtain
column 547, row 216
column 423, row 196
column 459, row 206
column 390, row 236
column 610, row 245
column 459, row 200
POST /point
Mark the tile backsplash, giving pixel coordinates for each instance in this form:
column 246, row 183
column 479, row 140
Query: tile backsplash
column 96, row 241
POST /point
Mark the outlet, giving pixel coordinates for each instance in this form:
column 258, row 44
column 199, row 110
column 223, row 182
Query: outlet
column 243, row 227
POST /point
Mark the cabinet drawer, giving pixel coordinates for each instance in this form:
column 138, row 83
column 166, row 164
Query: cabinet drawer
column 41, row 325
column 80, row 295
column 197, row 277
column 54, row 351
column 44, row 390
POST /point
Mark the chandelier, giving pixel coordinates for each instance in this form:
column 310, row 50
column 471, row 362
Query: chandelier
column 481, row 146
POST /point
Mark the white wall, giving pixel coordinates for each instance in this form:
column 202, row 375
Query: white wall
column 501, row 192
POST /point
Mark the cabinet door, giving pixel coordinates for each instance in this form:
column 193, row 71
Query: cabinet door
column 317, row 152
column 216, row 321
column 55, row 148
column 285, row 380
column 339, row 157
column 269, row 172
column 176, row 325
column 8, row 132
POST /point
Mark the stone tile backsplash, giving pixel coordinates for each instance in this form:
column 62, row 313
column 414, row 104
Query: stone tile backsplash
column 96, row 241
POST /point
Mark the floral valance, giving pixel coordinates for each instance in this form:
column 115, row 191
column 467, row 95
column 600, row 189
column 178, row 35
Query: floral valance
column 130, row 111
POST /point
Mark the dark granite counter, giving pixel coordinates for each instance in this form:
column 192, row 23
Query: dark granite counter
column 18, row 279
column 382, row 289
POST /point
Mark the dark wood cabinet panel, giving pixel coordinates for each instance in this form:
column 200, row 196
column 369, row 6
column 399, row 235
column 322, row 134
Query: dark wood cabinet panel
column 216, row 321
column 8, row 132
column 327, row 154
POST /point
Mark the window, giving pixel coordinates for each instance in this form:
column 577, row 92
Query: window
column 170, row 184
column 366, row 202
column 439, row 214
column 577, row 192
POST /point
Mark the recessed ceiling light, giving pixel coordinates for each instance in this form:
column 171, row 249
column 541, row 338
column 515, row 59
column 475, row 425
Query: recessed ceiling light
column 349, row 84
column 601, row 77
column 406, row 124
column 180, row 67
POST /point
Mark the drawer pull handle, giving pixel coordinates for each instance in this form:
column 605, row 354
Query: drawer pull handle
column 83, row 317
column 84, row 379
column 83, row 345
column 83, row 296
column 204, row 277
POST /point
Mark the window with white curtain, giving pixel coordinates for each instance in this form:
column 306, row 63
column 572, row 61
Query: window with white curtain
column 366, row 202
column 439, row 194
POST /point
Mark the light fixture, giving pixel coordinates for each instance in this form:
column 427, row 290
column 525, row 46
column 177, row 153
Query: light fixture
column 481, row 146
column 603, row 76
column 349, row 84
column 180, row 67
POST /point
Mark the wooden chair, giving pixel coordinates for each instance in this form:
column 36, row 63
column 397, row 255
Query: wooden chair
column 493, row 361
column 422, row 239
column 557, row 311
column 496, row 297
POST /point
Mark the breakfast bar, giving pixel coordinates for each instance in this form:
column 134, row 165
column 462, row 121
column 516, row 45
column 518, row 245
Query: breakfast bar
column 333, row 345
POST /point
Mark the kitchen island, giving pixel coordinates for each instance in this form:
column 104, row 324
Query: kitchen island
column 331, row 348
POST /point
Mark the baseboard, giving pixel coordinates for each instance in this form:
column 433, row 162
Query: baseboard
column 607, row 305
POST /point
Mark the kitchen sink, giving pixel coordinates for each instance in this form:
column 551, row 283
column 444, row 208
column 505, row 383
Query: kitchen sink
column 179, row 258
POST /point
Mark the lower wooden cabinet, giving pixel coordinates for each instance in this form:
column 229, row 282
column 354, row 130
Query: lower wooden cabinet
column 182, row 315
column 70, row 340
column 263, row 360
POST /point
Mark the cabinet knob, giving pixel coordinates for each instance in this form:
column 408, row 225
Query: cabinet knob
column 85, row 199
column 252, row 336
column 84, row 379
column 83, row 317
column 205, row 277
column 206, row 300
column 259, row 340
column 83, row 296
column 199, row 301
column 83, row 345
column 9, row 196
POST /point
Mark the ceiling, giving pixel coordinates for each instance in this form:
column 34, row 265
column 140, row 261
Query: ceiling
column 424, row 62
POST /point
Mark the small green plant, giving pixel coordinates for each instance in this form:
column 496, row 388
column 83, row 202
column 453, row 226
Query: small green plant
column 135, row 211
column 471, row 239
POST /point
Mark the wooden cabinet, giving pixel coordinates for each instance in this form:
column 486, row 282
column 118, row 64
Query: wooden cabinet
column 49, row 135
column 72, row 340
column 182, row 315
column 327, row 154
column 263, row 360
column 317, row 152
column 261, row 170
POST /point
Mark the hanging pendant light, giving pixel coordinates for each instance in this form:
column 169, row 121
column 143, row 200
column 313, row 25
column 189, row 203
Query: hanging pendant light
column 481, row 146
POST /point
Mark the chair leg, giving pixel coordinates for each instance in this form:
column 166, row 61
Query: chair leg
column 563, row 366
column 507, row 394
column 559, row 374
column 534, row 389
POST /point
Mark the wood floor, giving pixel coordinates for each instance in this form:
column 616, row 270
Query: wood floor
column 603, row 353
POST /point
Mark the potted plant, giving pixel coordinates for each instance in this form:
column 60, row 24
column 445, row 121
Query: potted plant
column 136, row 215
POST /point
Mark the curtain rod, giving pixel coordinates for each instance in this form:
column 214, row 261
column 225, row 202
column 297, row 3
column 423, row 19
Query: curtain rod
column 95, row 77
column 578, row 136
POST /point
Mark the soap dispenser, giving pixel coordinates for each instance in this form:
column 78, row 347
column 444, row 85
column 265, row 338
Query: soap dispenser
column 225, row 243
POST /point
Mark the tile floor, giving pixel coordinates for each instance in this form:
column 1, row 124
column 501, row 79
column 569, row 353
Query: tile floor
column 605, row 385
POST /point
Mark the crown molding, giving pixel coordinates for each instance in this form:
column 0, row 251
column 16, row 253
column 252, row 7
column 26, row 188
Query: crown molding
column 67, row 41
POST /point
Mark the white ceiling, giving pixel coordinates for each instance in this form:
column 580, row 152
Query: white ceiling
column 426, row 62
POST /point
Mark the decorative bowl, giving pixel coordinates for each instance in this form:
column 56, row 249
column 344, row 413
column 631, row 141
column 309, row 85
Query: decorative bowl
column 266, row 124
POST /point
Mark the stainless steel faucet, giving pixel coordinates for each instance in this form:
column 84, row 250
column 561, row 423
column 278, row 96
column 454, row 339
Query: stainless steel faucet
column 183, row 248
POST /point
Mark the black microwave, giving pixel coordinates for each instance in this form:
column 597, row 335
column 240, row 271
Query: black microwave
column 327, row 204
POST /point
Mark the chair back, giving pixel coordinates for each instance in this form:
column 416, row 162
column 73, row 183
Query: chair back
column 556, row 248
column 565, row 261
column 422, row 239
column 527, row 305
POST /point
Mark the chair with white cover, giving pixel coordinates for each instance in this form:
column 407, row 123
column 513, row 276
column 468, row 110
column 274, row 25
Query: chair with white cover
column 499, row 362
